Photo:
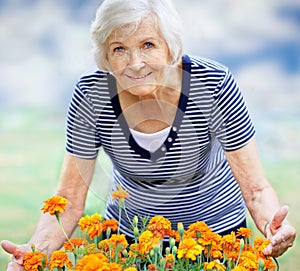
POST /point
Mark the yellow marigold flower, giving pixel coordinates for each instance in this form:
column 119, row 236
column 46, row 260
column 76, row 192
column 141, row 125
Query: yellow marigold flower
column 130, row 269
column 134, row 251
column 244, row 232
column 92, row 262
column 239, row 268
column 93, row 225
column 214, row 265
column 260, row 244
column 249, row 260
column 75, row 243
column 188, row 248
column 91, row 249
column 59, row 258
column 55, row 205
column 170, row 257
column 33, row 261
column 110, row 223
column 216, row 253
column 159, row 226
column 120, row 194
column 109, row 267
column 147, row 241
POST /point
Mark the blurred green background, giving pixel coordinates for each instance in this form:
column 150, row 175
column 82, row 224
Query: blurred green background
column 45, row 46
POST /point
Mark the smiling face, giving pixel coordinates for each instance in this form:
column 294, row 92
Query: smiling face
column 139, row 59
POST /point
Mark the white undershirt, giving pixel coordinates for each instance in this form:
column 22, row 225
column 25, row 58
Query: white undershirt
column 150, row 142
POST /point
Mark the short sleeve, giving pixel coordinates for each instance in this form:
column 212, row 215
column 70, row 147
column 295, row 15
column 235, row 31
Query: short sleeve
column 231, row 121
column 82, row 138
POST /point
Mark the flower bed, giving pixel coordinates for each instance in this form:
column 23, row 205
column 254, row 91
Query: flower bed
column 194, row 248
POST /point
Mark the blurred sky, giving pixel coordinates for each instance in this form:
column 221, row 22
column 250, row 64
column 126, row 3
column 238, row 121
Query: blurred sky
column 45, row 46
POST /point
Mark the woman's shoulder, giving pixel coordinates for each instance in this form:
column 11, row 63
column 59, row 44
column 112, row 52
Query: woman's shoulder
column 92, row 75
column 207, row 63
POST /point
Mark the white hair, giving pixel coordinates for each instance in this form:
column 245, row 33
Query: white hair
column 113, row 14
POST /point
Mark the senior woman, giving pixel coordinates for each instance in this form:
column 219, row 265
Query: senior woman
column 175, row 127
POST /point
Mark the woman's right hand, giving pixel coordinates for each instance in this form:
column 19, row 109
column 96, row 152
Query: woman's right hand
column 17, row 252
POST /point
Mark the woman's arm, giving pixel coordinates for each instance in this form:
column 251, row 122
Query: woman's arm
column 261, row 199
column 76, row 176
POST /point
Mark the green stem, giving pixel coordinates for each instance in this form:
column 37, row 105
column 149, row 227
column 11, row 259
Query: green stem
column 63, row 230
column 120, row 213
column 242, row 244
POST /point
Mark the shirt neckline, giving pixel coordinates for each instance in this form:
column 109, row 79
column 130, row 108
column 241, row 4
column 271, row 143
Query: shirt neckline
column 160, row 152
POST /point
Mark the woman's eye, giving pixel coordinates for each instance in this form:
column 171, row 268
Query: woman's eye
column 119, row 49
column 148, row 45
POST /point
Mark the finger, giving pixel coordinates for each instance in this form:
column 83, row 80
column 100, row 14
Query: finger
column 279, row 246
column 9, row 247
column 12, row 266
column 18, row 251
column 268, row 250
column 278, row 218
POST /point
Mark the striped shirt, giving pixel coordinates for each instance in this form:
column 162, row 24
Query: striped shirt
column 188, row 178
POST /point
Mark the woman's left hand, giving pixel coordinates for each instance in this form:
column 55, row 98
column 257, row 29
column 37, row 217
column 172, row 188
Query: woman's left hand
column 280, row 233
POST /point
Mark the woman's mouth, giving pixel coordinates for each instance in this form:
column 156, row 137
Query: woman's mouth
column 138, row 78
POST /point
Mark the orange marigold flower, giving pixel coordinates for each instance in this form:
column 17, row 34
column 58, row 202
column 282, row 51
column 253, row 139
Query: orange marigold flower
column 93, row 225
column 75, row 243
column 170, row 261
column 59, row 258
column 110, row 223
column 152, row 267
column 228, row 242
column 209, row 238
column 244, row 232
column 188, row 248
column 212, row 243
column 33, row 261
column 118, row 240
column 103, row 245
column 269, row 264
column 214, row 265
column 196, row 229
column 159, row 226
column 92, row 262
column 115, row 244
column 120, row 194
column 55, row 205
column 174, row 234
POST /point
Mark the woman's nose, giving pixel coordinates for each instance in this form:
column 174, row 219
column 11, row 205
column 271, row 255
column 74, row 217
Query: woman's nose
column 136, row 60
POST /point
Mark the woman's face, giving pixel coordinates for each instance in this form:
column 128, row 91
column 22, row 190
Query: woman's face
column 139, row 59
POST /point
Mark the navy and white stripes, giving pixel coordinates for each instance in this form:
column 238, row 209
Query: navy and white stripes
column 186, row 180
